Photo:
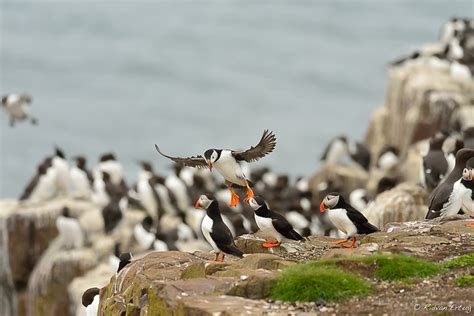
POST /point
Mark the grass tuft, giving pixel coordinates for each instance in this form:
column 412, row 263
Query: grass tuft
column 460, row 262
column 399, row 267
column 312, row 281
column 465, row 280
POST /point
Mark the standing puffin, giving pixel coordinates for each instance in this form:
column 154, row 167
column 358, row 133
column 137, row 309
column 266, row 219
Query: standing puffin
column 447, row 198
column 272, row 223
column 227, row 162
column 434, row 164
column 346, row 218
column 214, row 229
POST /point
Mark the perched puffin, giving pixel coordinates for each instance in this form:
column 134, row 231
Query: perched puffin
column 43, row 185
column 346, row 218
column 18, row 107
column 451, row 154
column 90, row 300
column 146, row 192
column 360, row 154
column 448, row 197
column 434, row 163
column 215, row 231
column 468, row 182
column 61, row 165
column 388, row 158
column 272, row 223
column 125, row 259
column 108, row 163
column 81, row 179
column 336, row 151
column 227, row 162
column 69, row 229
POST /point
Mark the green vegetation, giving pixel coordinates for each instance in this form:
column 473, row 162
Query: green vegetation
column 311, row 281
column 460, row 262
column 465, row 280
column 399, row 267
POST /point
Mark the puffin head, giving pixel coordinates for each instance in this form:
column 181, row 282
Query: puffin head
column 257, row 202
column 146, row 166
column 329, row 202
column 468, row 174
column 211, row 156
column 204, row 201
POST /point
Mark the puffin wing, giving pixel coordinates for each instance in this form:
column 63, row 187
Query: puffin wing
column 284, row 227
column 360, row 221
column 224, row 240
column 265, row 146
column 194, row 161
column 438, row 198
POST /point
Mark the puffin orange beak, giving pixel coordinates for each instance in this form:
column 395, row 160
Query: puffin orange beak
column 209, row 164
column 322, row 207
column 197, row 204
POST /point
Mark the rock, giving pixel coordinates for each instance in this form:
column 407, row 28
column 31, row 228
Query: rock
column 194, row 270
column 255, row 284
column 405, row 202
column 250, row 243
column 346, row 178
column 363, row 250
column 47, row 288
column 220, row 305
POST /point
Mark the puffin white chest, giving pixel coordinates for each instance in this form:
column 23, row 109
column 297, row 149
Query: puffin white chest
column 265, row 225
column 206, row 228
column 342, row 222
column 458, row 197
column 229, row 168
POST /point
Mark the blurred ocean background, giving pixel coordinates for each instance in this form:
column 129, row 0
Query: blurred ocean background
column 120, row 76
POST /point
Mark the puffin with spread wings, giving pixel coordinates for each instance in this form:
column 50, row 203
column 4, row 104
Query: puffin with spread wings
column 227, row 163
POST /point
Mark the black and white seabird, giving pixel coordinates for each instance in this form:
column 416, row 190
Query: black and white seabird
column 227, row 162
column 125, row 259
column 388, row 158
column 272, row 223
column 81, row 179
column 434, row 164
column 146, row 192
column 448, row 197
column 61, row 165
column 108, row 163
column 336, row 151
column 18, row 107
column 90, row 300
column 69, row 229
column 215, row 231
column 43, row 184
column 360, row 154
column 346, row 218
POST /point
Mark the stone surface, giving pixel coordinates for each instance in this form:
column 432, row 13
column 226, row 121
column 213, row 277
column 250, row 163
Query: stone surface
column 406, row 202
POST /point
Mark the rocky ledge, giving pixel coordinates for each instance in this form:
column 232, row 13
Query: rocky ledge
column 178, row 283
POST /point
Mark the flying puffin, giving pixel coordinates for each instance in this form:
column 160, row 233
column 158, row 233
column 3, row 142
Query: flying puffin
column 434, row 163
column 18, row 107
column 272, row 223
column 448, row 197
column 346, row 218
column 214, row 229
column 227, row 162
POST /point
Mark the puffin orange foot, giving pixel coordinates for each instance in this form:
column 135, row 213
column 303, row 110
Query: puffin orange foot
column 471, row 224
column 349, row 246
column 249, row 195
column 340, row 241
column 270, row 244
column 234, row 199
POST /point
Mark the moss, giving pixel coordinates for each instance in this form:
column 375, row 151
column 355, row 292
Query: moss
column 460, row 262
column 465, row 280
column 312, row 281
column 156, row 304
column 399, row 267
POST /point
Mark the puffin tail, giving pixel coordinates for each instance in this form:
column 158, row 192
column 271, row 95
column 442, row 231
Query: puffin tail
column 232, row 250
column 295, row 235
column 368, row 228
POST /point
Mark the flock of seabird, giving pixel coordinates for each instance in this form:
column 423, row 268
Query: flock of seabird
column 447, row 171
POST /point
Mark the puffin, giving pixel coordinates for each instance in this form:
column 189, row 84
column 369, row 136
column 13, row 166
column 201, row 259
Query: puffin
column 272, row 223
column 18, row 107
column 125, row 259
column 448, row 197
column 146, row 192
column 108, row 163
column 61, row 165
column 346, row 218
column 215, row 231
column 388, row 158
column 90, row 300
column 80, row 178
column 434, row 163
column 468, row 182
column 43, row 184
column 336, row 151
column 69, row 229
column 227, row 163
column 360, row 153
